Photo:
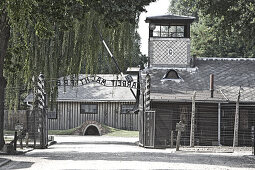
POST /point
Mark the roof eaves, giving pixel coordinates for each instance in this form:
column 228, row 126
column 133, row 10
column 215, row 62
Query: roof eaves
column 77, row 100
column 224, row 59
column 186, row 100
column 168, row 18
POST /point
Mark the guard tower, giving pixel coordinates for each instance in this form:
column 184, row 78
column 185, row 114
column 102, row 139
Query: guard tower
column 169, row 41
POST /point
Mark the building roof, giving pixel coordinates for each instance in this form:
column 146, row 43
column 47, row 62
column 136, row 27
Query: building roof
column 96, row 90
column 170, row 19
column 229, row 75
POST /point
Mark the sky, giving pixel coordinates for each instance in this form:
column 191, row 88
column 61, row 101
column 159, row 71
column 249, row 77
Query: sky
column 160, row 7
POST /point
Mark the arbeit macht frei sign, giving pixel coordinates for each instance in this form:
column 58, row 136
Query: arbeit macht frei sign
column 96, row 79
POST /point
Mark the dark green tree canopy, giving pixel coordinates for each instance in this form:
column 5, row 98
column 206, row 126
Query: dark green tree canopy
column 222, row 29
column 234, row 14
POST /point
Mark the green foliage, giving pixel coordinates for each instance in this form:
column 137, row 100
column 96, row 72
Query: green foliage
column 235, row 15
column 183, row 7
column 57, row 38
column 216, row 32
column 208, row 40
column 119, row 10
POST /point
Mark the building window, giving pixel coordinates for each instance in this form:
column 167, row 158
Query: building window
column 126, row 108
column 168, row 31
column 52, row 112
column 171, row 74
column 176, row 31
column 156, row 31
column 88, row 108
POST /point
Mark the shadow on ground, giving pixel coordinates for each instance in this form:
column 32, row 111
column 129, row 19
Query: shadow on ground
column 22, row 165
column 230, row 161
column 99, row 143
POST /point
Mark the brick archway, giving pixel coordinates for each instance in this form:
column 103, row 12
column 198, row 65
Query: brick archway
column 92, row 129
column 90, row 125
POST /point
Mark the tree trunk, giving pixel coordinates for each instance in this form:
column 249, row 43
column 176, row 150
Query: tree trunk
column 4, row 38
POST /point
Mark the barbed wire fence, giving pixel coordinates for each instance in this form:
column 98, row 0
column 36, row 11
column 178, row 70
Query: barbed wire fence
column 214, row 121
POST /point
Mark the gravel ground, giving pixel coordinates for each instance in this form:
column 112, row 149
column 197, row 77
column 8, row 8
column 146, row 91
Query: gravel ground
column 102, row 152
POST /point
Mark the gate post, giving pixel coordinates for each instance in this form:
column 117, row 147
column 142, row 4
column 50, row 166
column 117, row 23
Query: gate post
column 192, row 126
column 41, row 101
column 253, row 140
column 149, row 131
column 236, row 126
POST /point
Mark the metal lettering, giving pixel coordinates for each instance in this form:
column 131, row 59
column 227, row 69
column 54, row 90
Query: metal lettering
column 134, row 85
column 87, row 80
column 72, row 82
column 103, row 82
column 124, row 83
column 112, row 82
column 98, row 79
column 119, row 82
column 66, row 82
column 81, row 80
column 58, row 83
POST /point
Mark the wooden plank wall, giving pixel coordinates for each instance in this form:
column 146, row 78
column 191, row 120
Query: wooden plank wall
column 68, row 116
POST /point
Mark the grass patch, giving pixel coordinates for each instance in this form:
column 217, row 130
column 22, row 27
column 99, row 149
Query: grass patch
column 110, row 131
column 62, row 132
column 123, row 133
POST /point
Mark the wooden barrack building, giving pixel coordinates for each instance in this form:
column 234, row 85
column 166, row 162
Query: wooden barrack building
column 104, row 98
column 174, row 82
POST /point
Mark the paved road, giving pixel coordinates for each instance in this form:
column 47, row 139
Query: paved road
column 83, row 152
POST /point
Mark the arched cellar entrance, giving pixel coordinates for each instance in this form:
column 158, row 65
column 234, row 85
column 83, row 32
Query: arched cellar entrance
column 91, row 130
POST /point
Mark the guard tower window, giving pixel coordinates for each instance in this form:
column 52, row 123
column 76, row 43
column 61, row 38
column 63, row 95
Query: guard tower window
column 176, row 31
column 156, row 32
column 171, row 74
column 168, row 31
column 164, row 31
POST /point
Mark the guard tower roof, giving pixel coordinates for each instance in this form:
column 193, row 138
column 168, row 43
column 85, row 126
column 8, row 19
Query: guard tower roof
column 170, row 19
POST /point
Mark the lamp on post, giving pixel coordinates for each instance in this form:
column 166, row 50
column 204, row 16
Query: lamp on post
column 152, row 27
